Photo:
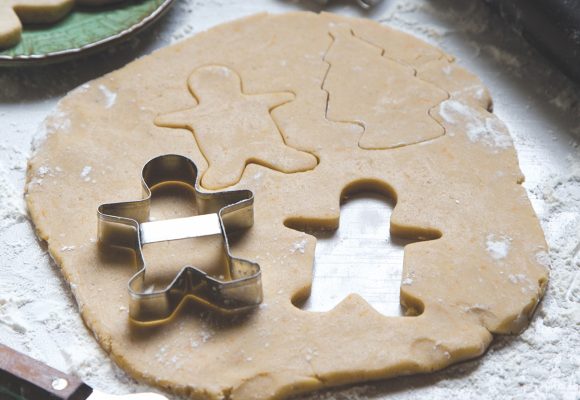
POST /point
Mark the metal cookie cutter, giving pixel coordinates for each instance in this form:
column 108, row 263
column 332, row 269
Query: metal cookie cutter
column 127, row 225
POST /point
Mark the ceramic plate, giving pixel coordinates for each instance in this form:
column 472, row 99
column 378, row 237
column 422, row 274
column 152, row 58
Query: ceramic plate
column 83, row 30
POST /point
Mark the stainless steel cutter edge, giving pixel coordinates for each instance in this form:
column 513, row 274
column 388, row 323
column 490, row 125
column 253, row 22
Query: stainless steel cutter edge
column 125, row 224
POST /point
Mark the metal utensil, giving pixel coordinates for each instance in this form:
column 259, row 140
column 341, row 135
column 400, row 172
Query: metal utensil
column 127, row 224
column 23, row 378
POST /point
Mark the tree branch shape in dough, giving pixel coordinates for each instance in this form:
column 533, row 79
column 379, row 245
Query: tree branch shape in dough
column 233, row 129
column 389, row 101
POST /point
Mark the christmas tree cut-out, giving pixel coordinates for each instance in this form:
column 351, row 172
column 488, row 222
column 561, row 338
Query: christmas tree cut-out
column 383, row 96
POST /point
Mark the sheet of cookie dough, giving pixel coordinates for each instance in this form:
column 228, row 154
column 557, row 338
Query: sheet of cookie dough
column 478, row 269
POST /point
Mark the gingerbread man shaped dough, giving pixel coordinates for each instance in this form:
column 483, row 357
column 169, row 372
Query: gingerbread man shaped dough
column 227, row 121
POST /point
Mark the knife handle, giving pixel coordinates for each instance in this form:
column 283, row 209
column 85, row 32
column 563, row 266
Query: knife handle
column 26, row 378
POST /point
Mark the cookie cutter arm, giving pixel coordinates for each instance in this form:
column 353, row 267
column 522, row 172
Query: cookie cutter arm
column 127, row 225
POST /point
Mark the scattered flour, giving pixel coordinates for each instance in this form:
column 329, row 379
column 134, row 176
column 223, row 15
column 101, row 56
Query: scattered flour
column 498, row 247
column 503, row 56
column 299, row 246
column 59, row 121
column 82, row 88
column 403, row 14
column 540, row 364
column 110, row 97
column 42, row 171
column 86, row 172
column 487, row 130
column 407, row 281
column 12, row 208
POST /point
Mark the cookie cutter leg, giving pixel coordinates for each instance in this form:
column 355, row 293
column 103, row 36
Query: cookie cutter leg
column 127, row 224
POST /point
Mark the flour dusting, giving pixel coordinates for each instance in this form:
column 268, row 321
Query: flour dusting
column 110, row 97
column 86, row 172
column 503, row 56
column 488, row 130
column 12, row 208
column 299, row 246
column 498, row 247
column 39, row 317
column 407, row 281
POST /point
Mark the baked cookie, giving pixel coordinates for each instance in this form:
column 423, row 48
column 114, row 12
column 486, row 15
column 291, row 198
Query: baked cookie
column 96, row 2
column 15, row 12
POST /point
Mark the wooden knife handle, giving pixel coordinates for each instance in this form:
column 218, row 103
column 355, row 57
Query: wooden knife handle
column 22, row 377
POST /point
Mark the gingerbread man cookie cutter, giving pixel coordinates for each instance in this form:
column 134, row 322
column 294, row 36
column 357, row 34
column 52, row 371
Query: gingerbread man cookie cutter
column 126, row 224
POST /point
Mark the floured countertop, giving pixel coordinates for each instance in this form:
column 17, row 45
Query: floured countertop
column 541, row 107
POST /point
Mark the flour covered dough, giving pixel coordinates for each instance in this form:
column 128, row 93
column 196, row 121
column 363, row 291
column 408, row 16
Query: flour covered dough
column 302, row 109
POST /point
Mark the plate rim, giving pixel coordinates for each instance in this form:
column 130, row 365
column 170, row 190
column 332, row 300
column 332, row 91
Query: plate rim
column 89, row 48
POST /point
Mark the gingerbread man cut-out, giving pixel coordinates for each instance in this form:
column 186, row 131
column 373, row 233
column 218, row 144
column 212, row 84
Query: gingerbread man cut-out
column 393, row 105
column 15, row 12
column 233, row 129
column 360, row 257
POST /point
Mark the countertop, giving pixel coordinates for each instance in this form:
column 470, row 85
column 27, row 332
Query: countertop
column 541, row 107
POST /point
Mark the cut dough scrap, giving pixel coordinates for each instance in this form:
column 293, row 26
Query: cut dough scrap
column 484, row 275
column 14, row 12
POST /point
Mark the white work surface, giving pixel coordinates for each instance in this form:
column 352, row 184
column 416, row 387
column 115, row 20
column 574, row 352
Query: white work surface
column 540, row 106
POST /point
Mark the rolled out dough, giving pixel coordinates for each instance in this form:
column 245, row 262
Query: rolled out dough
column 302, row 109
